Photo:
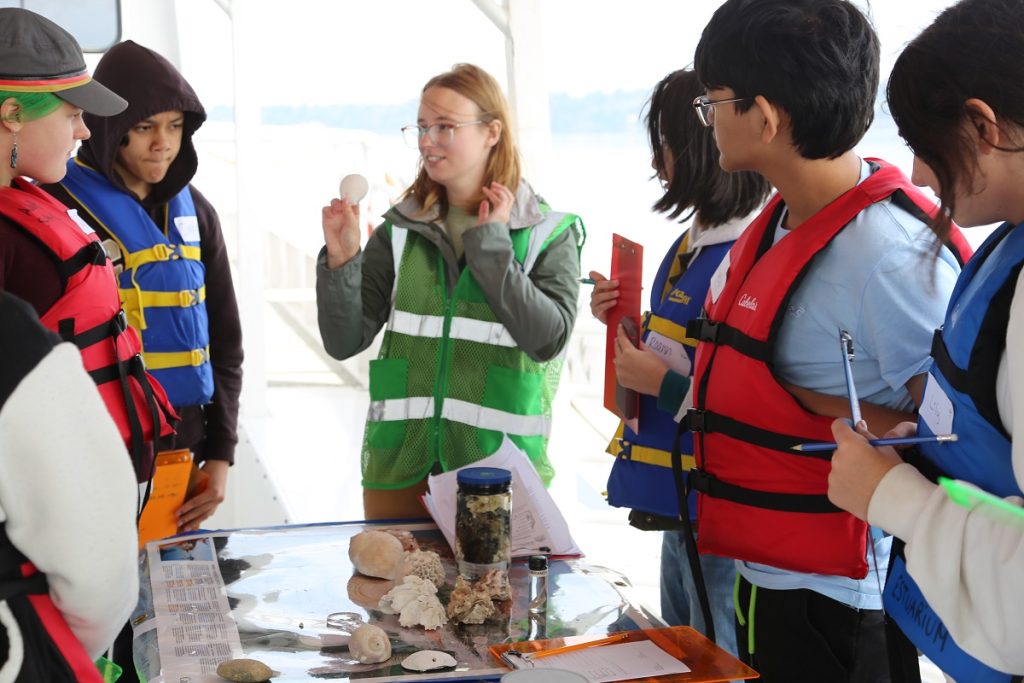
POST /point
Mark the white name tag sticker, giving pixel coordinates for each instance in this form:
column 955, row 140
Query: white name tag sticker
column 936, row 408
column 188, row 228
column 671, row 351
column 83, row 226
column 718, row 279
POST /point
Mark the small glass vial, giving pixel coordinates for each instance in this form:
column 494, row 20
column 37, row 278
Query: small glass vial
column 538, row 584
column 483, row 521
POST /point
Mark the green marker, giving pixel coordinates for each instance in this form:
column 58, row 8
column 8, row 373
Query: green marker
column 967, row 496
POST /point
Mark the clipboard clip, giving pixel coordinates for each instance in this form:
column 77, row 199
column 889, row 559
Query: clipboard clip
column 516, row 660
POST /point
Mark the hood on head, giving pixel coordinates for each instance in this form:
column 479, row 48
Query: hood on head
column 152, row 85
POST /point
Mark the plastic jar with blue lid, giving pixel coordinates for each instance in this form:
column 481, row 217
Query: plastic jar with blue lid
column 483, row 521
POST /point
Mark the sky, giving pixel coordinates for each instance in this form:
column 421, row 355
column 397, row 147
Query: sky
column 381, row 52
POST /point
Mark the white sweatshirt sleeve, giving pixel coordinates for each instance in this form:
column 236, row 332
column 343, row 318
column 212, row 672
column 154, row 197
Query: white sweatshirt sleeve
column 968, row 563
column 68, row 496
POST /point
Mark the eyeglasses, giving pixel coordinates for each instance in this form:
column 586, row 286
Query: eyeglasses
column 706, row 108
column 441, row 134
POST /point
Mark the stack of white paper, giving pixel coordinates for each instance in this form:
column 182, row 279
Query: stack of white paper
column 538, row 527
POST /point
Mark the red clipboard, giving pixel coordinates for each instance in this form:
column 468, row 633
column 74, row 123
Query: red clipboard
column 627, row 268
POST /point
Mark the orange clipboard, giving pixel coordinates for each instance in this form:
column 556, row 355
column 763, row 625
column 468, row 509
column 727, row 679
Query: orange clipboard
column 627, row 268
column 708, row 663
column 171, row 474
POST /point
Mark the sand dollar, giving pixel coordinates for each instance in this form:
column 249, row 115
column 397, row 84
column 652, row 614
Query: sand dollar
column 353, row 187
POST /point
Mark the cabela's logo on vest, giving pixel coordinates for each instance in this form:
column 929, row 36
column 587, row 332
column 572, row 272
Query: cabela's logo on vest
column 747, row 301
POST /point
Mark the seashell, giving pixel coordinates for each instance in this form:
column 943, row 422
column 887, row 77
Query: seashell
column 425, row 564
column 369, row 644
column 408, row 541
column 428, row 660
column 353, row 187
column 375, row 553
column 244, row 670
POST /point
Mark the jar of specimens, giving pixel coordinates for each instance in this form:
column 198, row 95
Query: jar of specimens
column 483, row 520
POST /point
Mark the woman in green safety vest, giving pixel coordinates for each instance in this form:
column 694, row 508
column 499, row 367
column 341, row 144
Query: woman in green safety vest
column 476, row 278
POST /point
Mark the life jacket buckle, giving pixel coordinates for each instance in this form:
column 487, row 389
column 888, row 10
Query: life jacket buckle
column 119, row 322
column 162, row 252
column 188, row 298
column 694, row 420
column 199, row 356
column 625, row 450
column 703, row 329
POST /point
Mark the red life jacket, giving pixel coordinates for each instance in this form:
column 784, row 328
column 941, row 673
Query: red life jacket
column 759, row 500
column 89, row 315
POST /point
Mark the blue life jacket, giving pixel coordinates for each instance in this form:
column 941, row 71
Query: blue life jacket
column 967, row 351
column 641, row 477
column 162, row 286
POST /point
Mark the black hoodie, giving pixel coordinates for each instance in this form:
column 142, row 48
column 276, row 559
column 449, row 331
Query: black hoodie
column 152, row 85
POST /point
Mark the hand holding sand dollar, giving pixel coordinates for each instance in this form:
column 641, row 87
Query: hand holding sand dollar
column 341, row 221
column 353, row 188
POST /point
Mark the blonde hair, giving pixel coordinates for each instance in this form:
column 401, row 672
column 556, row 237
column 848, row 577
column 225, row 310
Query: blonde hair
column 503, row 165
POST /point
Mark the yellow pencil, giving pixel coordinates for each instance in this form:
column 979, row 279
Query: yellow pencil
column 578, row 646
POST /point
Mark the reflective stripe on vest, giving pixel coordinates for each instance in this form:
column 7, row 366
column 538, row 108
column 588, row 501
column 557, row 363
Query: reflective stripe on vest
column 426, row 407
column 422, row 408
column 468, row 329
column 971, row 341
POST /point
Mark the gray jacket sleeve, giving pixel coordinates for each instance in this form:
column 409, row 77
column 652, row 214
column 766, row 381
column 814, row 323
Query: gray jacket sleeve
column 353, row 301
column 539, row 309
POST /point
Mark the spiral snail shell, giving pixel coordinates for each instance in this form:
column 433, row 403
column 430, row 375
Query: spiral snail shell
column 369, row 644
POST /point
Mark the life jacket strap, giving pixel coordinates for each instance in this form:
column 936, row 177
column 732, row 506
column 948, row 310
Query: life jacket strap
column 705, row 330
column 697, row 420
column 161, row 252
column 185, row 298
column 177, row 359
column 92, row 254
column 111, row 329
column 29, row 585
column 701, row 481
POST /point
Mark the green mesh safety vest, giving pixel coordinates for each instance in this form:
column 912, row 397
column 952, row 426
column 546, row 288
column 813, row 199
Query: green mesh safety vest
column 450, row 382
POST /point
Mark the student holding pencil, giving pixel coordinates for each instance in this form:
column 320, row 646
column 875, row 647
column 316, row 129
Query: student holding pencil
column 720, row 205
column 958, row 99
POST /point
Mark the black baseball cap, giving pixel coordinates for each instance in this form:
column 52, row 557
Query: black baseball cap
column 37, row 55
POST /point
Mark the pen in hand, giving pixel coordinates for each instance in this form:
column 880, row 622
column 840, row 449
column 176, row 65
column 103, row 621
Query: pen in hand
column 846, row 347
column 816, row 447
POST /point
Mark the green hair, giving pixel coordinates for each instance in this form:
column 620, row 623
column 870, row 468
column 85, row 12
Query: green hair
column 34, row 105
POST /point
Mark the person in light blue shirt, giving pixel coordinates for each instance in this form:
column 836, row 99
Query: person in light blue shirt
column 877, row 278
column 790, row 88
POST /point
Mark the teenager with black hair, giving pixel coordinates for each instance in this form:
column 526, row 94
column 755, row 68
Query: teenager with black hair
column 957, row 97
column 790, row 89
column 721, row 205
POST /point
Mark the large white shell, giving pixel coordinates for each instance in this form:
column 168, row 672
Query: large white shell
column 428, row 660
column 353, row 188
column 375, row 553
column 370, row 644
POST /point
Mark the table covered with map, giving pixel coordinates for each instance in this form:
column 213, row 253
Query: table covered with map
column 289, row 596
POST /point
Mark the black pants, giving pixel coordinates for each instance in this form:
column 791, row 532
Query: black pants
column 800, row 635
